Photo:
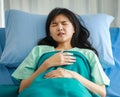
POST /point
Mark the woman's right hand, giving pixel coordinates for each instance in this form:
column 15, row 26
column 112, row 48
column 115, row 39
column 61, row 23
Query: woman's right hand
column 61, row 58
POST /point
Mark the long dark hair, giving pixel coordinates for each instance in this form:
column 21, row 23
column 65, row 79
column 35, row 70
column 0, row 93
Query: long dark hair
column 80, row 37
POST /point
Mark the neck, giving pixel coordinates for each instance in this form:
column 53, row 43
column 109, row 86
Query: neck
column 64, row 47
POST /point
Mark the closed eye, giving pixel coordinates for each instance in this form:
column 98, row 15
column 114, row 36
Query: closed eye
column 53, row 24
column 64, row 23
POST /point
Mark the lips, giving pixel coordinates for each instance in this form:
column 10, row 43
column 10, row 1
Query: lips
column 61, row 34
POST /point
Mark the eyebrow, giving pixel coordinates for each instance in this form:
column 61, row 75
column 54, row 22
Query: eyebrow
column 53, row 22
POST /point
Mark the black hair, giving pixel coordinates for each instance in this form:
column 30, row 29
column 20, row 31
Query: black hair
column 80, row 37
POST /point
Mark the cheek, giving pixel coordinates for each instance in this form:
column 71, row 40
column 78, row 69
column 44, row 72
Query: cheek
column 51, row 31
column 72, row 31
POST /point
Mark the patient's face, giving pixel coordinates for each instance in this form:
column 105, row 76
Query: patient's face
column 61, row 29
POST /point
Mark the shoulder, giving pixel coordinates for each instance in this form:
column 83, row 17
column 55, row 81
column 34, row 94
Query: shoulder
column 97, row 73
column 90, row 55
column 40, row 49
column 43, row 48
column 86, row 52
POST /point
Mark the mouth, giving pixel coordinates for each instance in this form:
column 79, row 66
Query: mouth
column 61, row 34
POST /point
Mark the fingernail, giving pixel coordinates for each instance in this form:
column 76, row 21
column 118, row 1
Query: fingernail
column 70, row 53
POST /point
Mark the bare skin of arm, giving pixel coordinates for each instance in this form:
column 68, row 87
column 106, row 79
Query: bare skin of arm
column 56, row 60
column 26, row 82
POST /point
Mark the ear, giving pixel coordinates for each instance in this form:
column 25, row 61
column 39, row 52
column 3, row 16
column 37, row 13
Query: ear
column 74, row 31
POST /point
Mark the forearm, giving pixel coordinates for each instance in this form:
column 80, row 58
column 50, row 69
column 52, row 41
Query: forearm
column 94, row 88
column 26, row 82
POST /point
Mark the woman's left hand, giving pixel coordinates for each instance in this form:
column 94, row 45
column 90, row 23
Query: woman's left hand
column 60, row 72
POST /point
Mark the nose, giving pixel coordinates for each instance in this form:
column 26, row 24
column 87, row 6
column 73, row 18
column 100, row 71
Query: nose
column 60, row 27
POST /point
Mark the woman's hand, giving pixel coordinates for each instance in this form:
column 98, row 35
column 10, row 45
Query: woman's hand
column 94, row 88
column 61, row 58
column 60, row 72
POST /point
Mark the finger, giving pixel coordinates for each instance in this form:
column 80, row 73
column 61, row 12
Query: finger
column 67, row 54
column 62, row 51
column 50, row 73
column 53, row 75
column 62, row 70
column 69, row 58
column 68, row 63
column 59, row 68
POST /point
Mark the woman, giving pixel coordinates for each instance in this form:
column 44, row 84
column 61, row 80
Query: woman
column 64, row 61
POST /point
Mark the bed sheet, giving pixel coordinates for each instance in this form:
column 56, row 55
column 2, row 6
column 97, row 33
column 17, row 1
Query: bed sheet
column 114, row 73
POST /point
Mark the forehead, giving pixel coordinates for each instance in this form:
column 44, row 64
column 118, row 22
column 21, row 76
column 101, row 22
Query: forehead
column 60, row 17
